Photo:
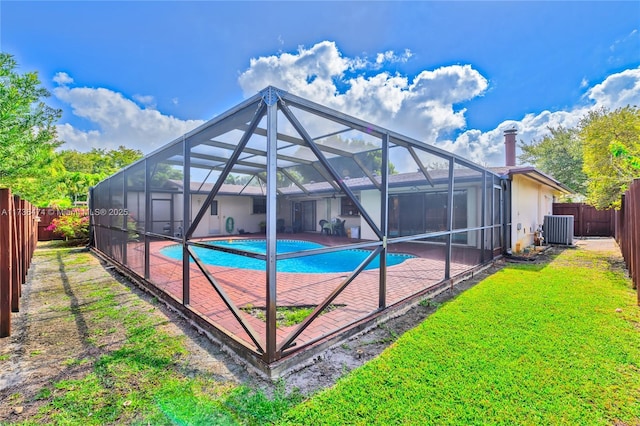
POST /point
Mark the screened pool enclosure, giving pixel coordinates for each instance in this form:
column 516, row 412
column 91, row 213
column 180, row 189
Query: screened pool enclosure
column 370, row 220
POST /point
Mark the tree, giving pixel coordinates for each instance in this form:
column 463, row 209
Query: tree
column 122, row 157
column 99, row 161
column 69, row 175
column 611, row 143
column 558, row 154
column 85, row 169
column 27, row 131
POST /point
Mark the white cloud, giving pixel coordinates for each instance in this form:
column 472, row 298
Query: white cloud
column 307, row 73
column 119, row 121
column 62, row 78
column 423, row 108
column 617, row 90
column 77, row 139
column 427, row 107
column 147, row 101
column 623, row 47
column 487, row 148
column 631, row 37
column 390, row 57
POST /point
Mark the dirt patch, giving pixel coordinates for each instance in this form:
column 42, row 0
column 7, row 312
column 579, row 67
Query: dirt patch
column 606, row 245
column 54, row 338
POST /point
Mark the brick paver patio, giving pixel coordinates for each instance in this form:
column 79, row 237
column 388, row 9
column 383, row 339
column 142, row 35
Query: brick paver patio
column 247, row 288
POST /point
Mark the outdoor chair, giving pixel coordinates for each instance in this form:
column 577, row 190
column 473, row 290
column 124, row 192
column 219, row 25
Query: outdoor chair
column 338, row 228
column 324, row 229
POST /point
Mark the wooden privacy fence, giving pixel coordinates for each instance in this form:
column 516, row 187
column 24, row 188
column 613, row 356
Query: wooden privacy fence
column 587, row 221
column 18, row 239
column 628, row 232
column 47, row 215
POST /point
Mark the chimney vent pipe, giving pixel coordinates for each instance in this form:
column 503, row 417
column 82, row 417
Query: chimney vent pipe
column 510, row 146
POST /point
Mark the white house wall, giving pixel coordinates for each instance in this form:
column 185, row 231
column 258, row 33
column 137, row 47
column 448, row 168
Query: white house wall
column 328, row 208
column 240, row 208
column 474, row 213
column 323, row 211
column 530, row 202
column 160, row 217
column 370, row 200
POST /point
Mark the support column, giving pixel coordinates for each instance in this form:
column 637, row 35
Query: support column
column 147, row 216
column 271, row 100
column 384, row 221
column 92, row 221
column 125, row 218
column 186, row 220
column 447, row 262
column 483, row 219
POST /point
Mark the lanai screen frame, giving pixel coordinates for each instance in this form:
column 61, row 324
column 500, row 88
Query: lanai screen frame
column 111, row 232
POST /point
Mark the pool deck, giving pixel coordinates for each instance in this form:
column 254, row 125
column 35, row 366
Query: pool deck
column 247, row 288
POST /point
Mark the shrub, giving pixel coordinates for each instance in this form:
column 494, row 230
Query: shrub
column 74, row 226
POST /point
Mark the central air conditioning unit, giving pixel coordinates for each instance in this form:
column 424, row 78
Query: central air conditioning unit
column 558, row 229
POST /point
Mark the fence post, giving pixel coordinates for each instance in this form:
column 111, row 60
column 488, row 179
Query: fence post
column 24, row 241
column 634, row 236
column 5, row 261
column 16, row 258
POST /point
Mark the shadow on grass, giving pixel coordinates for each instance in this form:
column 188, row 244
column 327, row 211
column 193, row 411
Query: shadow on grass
column 81, row 324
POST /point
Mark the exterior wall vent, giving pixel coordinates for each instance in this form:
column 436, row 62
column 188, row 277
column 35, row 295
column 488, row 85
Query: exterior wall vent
column 558, row 229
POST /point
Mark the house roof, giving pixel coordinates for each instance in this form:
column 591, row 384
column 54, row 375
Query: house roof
column 533, row 174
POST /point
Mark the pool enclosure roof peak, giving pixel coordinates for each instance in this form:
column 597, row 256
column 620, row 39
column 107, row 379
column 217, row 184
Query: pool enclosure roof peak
column 305, row 131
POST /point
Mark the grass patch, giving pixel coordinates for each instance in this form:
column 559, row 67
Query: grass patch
column 287, row 316
column 253, row 407
column 72, row 362
column 141, row 381
column 533, row 344
column 77, row 259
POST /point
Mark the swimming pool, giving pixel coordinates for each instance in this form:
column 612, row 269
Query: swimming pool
column 338, row 261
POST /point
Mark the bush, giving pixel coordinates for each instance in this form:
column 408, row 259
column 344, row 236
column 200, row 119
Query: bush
column 74, row 226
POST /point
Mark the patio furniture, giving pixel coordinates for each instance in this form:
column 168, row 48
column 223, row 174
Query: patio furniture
column 326, row 227
column 338, row 228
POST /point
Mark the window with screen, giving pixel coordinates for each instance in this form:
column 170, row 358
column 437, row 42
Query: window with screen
column 259, row 205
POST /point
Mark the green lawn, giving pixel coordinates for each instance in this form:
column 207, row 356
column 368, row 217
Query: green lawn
column 555, row 344
column 532, row 344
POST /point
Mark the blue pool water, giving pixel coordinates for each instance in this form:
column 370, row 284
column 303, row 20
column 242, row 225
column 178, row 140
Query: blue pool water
column 339, row 261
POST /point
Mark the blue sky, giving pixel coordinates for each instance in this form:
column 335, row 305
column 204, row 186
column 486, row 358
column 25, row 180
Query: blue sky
column 454, row 74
